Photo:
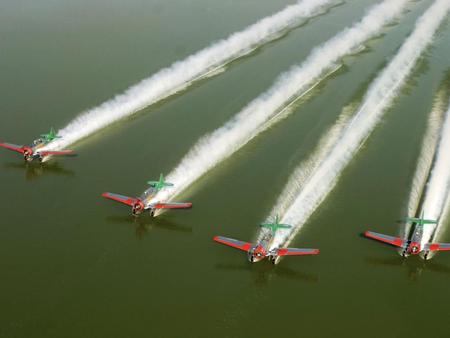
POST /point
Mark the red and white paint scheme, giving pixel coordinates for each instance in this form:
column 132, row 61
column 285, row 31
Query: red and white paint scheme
column 412, row 244
column 261, row 250
column 146, row 201
column 31, row 153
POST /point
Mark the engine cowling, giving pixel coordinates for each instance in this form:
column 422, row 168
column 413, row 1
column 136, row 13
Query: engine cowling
column 414, row 248
column 137, row 208
column 28, row 154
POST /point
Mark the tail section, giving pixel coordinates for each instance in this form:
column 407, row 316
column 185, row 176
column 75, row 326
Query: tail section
column 421, row 220
column 50, row 136
column 276, row 225
column 158, row 185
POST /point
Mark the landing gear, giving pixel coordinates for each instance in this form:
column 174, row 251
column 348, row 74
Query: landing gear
column 272, row 259
column 152, row 213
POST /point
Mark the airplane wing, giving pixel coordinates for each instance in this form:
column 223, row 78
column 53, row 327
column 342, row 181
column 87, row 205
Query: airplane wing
column 172, row 205
column 12, row 147
column 297, row 252
column 437, row 246
column 396, row 241
column 244, row 246
column 56, row 153
column 120, row 198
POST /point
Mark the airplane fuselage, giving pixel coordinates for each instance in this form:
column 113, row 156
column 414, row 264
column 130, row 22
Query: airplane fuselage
column 413, row 246
column 261, row 249
column 31, row 153
column 147, row 200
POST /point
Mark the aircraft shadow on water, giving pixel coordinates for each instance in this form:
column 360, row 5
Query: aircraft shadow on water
column 415, row 267
column 33, row 171
column 143, row 225
column 263, row 273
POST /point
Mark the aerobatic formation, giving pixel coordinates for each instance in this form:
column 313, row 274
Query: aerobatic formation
column 314, row 179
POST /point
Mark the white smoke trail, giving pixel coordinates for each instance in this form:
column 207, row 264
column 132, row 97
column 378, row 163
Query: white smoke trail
column 427, row 154
column 260, row 114
column 377, row 99
column 181, row 74
column 438, row 188
column 299, row 178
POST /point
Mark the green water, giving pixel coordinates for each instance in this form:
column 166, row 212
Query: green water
column 75, row 265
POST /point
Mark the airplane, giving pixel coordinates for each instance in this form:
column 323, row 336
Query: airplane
column 412, row 245
column 144, row 202
column 32, row 151
column 262, row 249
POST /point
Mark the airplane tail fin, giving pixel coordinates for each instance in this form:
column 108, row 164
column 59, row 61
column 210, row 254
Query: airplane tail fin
column 160, row 184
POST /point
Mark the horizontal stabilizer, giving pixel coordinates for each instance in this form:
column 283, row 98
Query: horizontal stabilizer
column 234, row 243
column 437, row 246
column 172, row 206
column 297, row 252
column 275, row 226
column 120, row 198
column 156, row 183
column 421, row 220
column 12, row 147
column 396, row 241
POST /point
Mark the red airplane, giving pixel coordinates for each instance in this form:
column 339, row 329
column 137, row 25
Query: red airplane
column 32, row 152
column 412, row 245
column 139, row 205
column 259, row 251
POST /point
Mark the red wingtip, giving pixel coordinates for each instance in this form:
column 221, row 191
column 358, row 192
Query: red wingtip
column 317, row 252
column 105, row 194
column 216, row 238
